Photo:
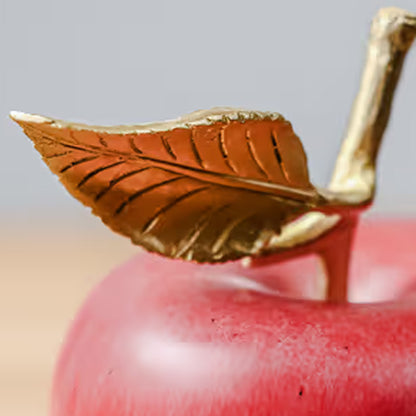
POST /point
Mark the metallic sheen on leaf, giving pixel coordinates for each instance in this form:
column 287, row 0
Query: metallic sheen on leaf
column 212, row 186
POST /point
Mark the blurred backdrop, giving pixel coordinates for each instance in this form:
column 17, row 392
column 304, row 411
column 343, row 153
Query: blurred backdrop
column 123, row 62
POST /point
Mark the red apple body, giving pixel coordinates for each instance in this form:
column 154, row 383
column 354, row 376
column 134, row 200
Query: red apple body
column 163, row 337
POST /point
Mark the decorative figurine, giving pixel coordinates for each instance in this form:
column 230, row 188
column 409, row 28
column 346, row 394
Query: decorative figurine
column 163, row 336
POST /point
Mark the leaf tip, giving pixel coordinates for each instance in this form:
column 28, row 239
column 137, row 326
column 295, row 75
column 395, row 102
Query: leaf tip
column 23, row 118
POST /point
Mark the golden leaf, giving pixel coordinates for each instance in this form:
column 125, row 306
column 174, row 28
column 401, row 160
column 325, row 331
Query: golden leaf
column 212, row 186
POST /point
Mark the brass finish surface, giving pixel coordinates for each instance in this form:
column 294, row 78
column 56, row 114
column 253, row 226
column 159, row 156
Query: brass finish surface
column 213, row 190
column 392, row 33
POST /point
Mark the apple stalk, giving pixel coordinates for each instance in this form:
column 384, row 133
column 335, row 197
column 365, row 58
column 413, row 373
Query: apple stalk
column 392, row 33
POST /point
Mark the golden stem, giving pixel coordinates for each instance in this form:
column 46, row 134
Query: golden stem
column 392, row 33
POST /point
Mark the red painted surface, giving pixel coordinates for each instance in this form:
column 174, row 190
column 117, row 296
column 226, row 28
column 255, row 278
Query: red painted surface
column 163, row 337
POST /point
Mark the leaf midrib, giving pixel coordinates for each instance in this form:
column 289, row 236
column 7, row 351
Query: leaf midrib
column 221, row 179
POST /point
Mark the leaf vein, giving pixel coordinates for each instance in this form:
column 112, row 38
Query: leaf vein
column 168, row 147
column 58, row 155
column 276, row 148
column 102, row 141
column 134, row 147
column 192, row 237
column 254, row 157
column 117, row 180
column 97, row 171
column 224, row 151
column 78, row 162
column 68, row 146
column 153, row 220
column 72, row 136
column 142, row 191
column 279, row 156
column 195, row 150
column 225, row 235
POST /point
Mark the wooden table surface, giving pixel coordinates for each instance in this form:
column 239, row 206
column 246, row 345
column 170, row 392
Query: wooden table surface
column 45, row 273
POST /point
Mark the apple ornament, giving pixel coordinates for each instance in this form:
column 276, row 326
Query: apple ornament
column 214, row 321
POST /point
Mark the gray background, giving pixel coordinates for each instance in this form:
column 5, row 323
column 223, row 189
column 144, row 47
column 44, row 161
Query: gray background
column 135, row 61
